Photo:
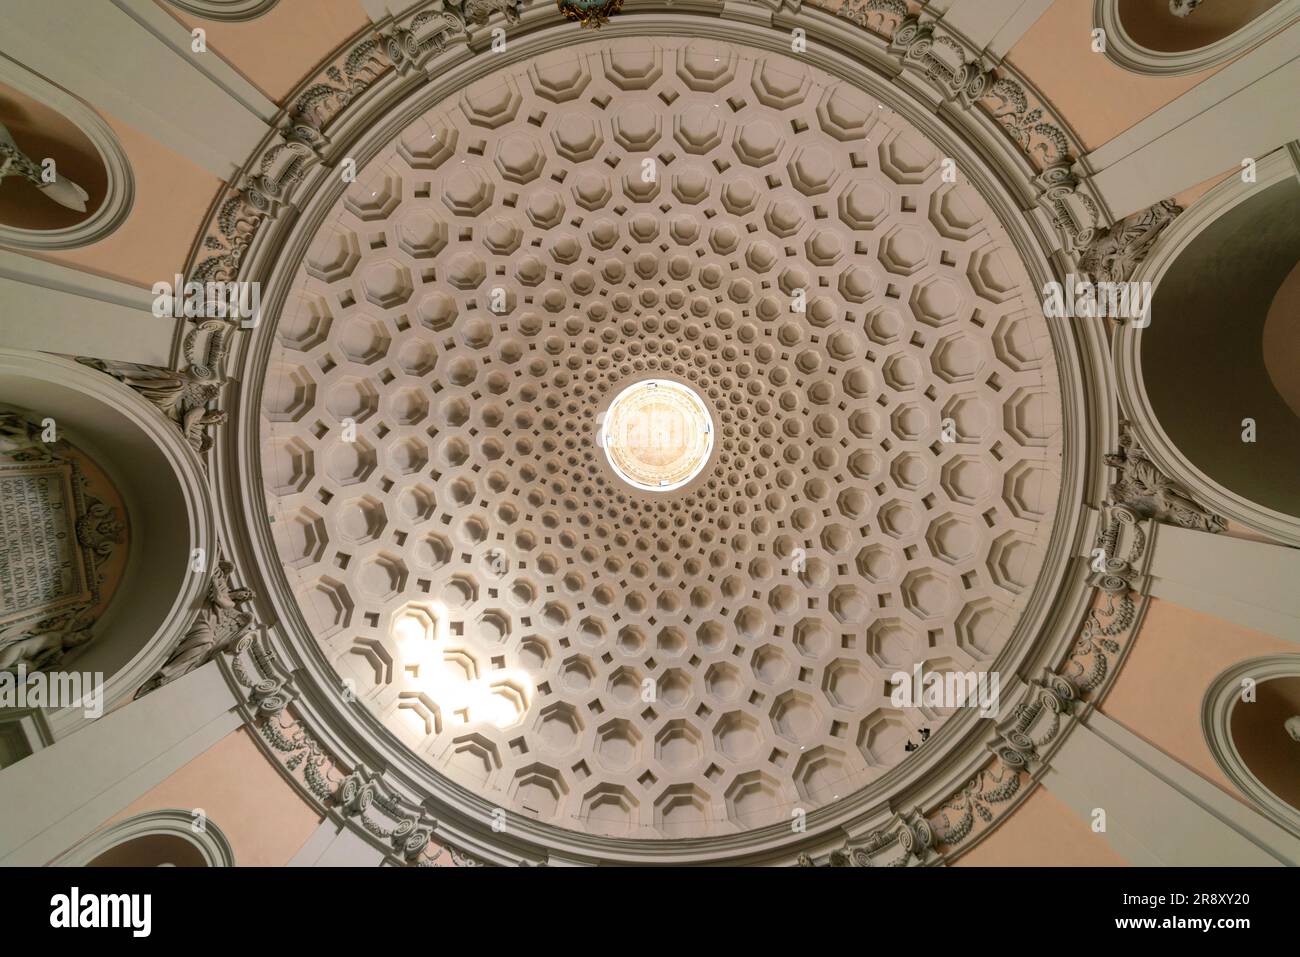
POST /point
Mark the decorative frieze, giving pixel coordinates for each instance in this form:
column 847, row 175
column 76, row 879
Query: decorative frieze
column 879, row 16
column 427, row 35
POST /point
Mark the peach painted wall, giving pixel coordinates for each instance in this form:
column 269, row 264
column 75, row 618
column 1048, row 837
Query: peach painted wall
column 172, row 197
column 1043, row 832
column 1098, row 99
column 1176, row 655
column 262, row 816
column 277, row 50
column 1189, row 196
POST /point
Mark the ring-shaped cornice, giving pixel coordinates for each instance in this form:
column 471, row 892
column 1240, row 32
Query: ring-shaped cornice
column 119, row 193
column 232, row 11
column 1222, row 697
column 1124, row 51
column 1044, row 635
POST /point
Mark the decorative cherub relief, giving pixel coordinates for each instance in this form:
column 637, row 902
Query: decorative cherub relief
column 22, row 440
column 44, row 644
column 1292, row 725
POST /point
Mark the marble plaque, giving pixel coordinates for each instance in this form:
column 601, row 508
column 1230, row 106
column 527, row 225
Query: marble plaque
column 42, row 567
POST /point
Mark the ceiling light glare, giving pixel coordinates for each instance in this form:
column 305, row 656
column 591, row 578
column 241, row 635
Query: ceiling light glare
column 657, row 435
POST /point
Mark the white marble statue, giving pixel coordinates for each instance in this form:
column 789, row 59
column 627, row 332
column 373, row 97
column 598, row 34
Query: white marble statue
column 1292, row 725
column 14, row 162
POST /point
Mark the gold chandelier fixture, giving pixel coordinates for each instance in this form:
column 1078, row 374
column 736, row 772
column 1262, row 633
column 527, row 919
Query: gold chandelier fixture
column 590, row 13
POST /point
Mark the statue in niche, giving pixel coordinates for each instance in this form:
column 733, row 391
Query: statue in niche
column 1292, row 725
column 219, row 624
column 1184, row 8
column 1152, row 494
column 14, row 162
column 22, row 440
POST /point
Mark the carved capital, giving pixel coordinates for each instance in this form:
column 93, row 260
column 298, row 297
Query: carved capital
column 906, row 841
column 411, row 46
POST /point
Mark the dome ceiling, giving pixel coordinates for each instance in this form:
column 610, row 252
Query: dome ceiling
column 885, row 414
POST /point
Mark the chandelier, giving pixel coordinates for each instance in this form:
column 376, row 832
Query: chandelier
column 590, row 13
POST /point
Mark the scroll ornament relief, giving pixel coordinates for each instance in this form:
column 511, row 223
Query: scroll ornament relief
column 60, row 539
column 1023, row 742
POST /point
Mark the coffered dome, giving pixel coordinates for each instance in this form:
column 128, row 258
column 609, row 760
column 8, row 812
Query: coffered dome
column 576, row 648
